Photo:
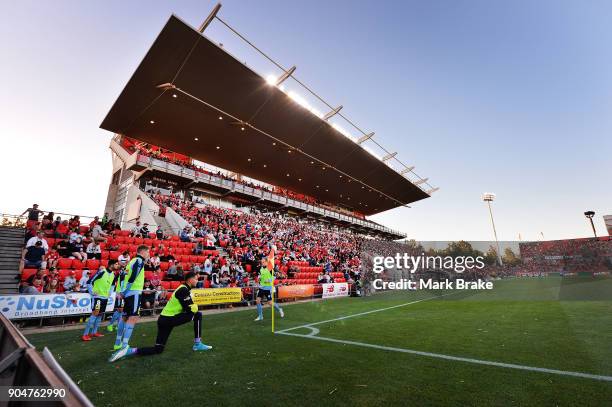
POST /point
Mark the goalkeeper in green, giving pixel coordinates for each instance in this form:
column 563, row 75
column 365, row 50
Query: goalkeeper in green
column 179, row 310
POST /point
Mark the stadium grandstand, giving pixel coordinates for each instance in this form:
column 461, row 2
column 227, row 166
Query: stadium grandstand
column 211, row 182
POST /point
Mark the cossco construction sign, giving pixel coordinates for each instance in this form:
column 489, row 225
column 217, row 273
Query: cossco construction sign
column 47, row 305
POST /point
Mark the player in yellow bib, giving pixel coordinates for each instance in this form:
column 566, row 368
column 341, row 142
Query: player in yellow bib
column 179, row 310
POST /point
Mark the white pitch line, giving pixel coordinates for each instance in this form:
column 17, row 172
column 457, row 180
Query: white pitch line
column 457, row 358
column 361, row 313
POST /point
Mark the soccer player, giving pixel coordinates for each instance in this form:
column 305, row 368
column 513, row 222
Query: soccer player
column 116, row 286
column 99, row 286
column 264, row 292
column 179, row 310
column 130, row 294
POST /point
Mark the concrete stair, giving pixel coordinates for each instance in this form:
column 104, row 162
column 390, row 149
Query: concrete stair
column 11, row 247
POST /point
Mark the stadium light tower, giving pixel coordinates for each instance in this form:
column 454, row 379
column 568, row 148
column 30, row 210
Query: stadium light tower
column 589, row 215
column 488, row 197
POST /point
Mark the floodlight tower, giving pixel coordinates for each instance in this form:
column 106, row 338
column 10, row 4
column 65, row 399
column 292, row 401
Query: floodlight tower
column 488, row 197
column 589, row 215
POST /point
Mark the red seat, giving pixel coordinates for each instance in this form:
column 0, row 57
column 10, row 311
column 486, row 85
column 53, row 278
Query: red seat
column 64, row 273
column 164, row 265
column 193, row 259
column 114, row 255
column 78, row 264
column 104, row 262
column 166, row 285
column 26, row 273
column 120, row 239
column 105, row 255
column 174, row 238
column 93, row 264
column 64, row 263
column 148, row 275
column 152, row 235
column 147, row 242
column 201, row 259
column 138, row 240
column 83, row 229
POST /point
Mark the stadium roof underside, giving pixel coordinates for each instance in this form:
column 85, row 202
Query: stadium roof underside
column 204, row 83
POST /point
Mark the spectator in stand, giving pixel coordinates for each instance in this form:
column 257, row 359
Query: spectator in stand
column 94, row 251
column 74, row 236
column 97, row 232
column 152, row 263
column 63, row 248
column 76, row 249
column 62, row 230
column 214, row 279
column 40, row 237
column 184, row 235
column 199, row 248
column 34, row 256
column 37, row 284
column 70, row 282
column 74, row 223
column 208, row 265
column 159, row 233
column 83, row 281
column 171, row 273
column 30, row 286
column 47, row 224
column 94, row 222
column 136, row 230
column 33, row 215
column 124, row 258
column 148, row 295
column 144, row 230
column 52, row 286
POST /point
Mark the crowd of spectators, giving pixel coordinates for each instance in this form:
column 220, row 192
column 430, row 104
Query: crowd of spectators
column 168, row 156
column 247, row 236
column 567, row 256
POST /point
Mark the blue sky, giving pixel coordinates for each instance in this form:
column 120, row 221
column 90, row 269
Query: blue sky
column 508, row 97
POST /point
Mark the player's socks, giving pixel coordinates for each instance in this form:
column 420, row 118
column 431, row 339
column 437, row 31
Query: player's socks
column 197, row 340
column 120, row 329
column 89, row 325
column 260, row 310
column 114, row 319
column 127, row 332
column 96, row 324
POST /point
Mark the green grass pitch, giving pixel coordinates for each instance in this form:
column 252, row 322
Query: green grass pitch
column 552, row 323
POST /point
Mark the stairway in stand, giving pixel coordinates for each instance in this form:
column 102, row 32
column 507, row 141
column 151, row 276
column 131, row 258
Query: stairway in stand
column 11, row 246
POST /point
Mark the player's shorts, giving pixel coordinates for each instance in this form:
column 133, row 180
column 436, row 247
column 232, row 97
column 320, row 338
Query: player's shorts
column 131, row 306
column 99, row 304
column 119, row 302
column 265, row 295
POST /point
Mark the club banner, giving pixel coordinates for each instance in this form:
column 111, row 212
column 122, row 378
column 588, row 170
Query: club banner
column 296, row 291
column 208, row 296
column 48, row 305
column 335, row 290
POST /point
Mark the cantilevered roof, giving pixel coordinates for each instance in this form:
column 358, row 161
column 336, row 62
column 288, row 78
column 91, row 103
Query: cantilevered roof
column 210, row 96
